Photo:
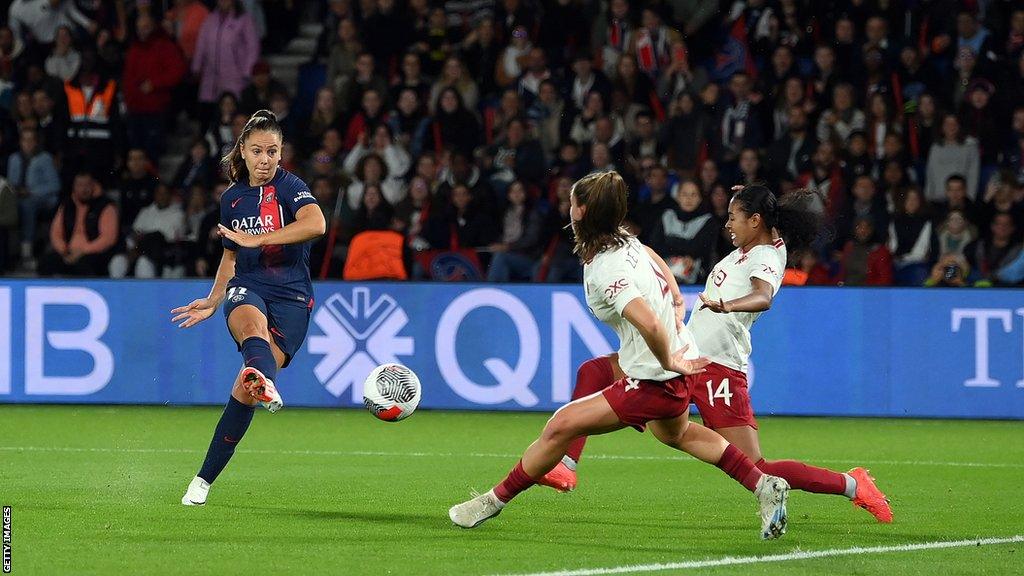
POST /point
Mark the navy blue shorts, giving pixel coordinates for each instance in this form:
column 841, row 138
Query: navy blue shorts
column 287, row 320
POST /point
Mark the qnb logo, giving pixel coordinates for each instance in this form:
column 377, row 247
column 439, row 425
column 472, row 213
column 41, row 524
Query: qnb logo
column 358, row 336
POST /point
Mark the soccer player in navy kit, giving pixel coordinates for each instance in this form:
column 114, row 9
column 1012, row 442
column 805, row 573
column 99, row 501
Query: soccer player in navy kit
column 267, row 219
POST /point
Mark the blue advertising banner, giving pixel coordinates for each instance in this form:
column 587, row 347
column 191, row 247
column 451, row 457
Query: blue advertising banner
column 819, row 351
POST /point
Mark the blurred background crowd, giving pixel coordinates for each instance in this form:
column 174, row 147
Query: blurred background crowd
column 442, row 138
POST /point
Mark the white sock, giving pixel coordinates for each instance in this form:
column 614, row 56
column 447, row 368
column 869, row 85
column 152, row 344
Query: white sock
column 569, row 463
column 497, row 500
column 851, row 486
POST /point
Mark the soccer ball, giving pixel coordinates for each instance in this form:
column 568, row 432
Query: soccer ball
column 391, row 392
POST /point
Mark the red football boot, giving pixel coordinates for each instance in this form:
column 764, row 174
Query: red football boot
column 869, row 497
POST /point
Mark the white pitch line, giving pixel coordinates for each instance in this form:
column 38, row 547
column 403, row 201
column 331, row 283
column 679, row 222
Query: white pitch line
column 798, row 555
column 382, row 454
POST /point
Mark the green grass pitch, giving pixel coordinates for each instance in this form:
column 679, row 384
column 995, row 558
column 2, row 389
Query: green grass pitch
column 96, row 490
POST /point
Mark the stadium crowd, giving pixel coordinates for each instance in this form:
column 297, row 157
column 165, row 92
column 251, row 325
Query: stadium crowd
column 441, row 139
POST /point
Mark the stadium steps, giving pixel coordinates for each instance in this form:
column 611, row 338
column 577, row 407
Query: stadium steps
column 285, row 67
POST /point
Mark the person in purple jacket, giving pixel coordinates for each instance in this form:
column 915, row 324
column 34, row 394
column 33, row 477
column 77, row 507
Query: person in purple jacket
column 226, row 51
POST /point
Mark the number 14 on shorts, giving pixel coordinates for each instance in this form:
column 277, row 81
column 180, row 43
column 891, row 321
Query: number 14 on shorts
column 721, row 392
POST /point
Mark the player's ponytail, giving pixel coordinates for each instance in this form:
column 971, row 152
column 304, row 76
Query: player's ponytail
column 795, row 215
column 262, row 120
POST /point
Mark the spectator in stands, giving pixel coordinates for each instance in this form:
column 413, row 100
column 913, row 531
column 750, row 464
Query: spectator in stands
column 685, row 235
column 790, row 155
column 459, row 220
column 372, row 170
column 842, row 119
column 32, row 173
column 136, row 187
column 52, row 126
column 196, row 169
column 749, row 169
column 643, row 142
column 659, row 200
column 548, row 117
column 183, row 22
column 956, row 199
column 1001, row 198
column 371, row 114
column 37, row 21
column 482, row 54
column 559, row 263
column 411, row 78
column 413, row 212
column 740, row 125
column 516, row 252
column 408, row 122
column 987, row 256
column 341, row 63
column 454, row 75
column 64, row 60
column 514, row 59
column 865, row 261
column 210, row 246
column 952, row 153
column 374, row 212
column 685, row 133
column 257, row 95
column 911, row 240
column 221, row 135
column 326, row 116
column 83, row 233
column 382, row 143
column 153, row 67
column 94, row 132
column 955, row 233
column 434, row 40
column 537, row 71
column 152, row 239
column 366, row 78
column 865, row 205
column 226, row 51
column 612, row 34
column 455, row 128
column 515, row 157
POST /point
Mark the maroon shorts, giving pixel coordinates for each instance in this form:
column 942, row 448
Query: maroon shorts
column 637, row 402
column 721, row 396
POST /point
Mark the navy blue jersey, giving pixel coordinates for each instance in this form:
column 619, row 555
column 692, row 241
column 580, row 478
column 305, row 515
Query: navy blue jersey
column 278, row 272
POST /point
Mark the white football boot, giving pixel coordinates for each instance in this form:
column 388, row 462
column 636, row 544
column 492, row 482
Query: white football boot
column 198, row 490
column 772, row 493
column 261, row 388
column 472, row 513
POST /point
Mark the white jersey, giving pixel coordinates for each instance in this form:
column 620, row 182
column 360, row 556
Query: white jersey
column 725, row 338
column 616, row 277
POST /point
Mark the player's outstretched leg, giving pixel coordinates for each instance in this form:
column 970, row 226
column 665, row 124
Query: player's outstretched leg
column 704, row 444
column 856, row 484
column 233, row 423
column 593, row 376
column 253, row 384
column 588, row 416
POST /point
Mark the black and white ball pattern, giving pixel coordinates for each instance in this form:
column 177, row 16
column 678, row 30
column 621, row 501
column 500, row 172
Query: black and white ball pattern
column 391, row 392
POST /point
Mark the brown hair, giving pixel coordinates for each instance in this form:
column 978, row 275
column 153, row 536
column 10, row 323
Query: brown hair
column 604, row 195
column 263, row 120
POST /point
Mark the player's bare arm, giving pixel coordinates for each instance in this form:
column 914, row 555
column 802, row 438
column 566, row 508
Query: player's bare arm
column 309, row 224
column 202, row 308
column 639, row 313
column 759, row 300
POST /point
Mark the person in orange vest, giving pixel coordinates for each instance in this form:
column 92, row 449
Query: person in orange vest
column 94, row 127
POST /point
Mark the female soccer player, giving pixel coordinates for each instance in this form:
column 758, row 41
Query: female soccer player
column 740, row 287
column 630, row 292
column 267, row 219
